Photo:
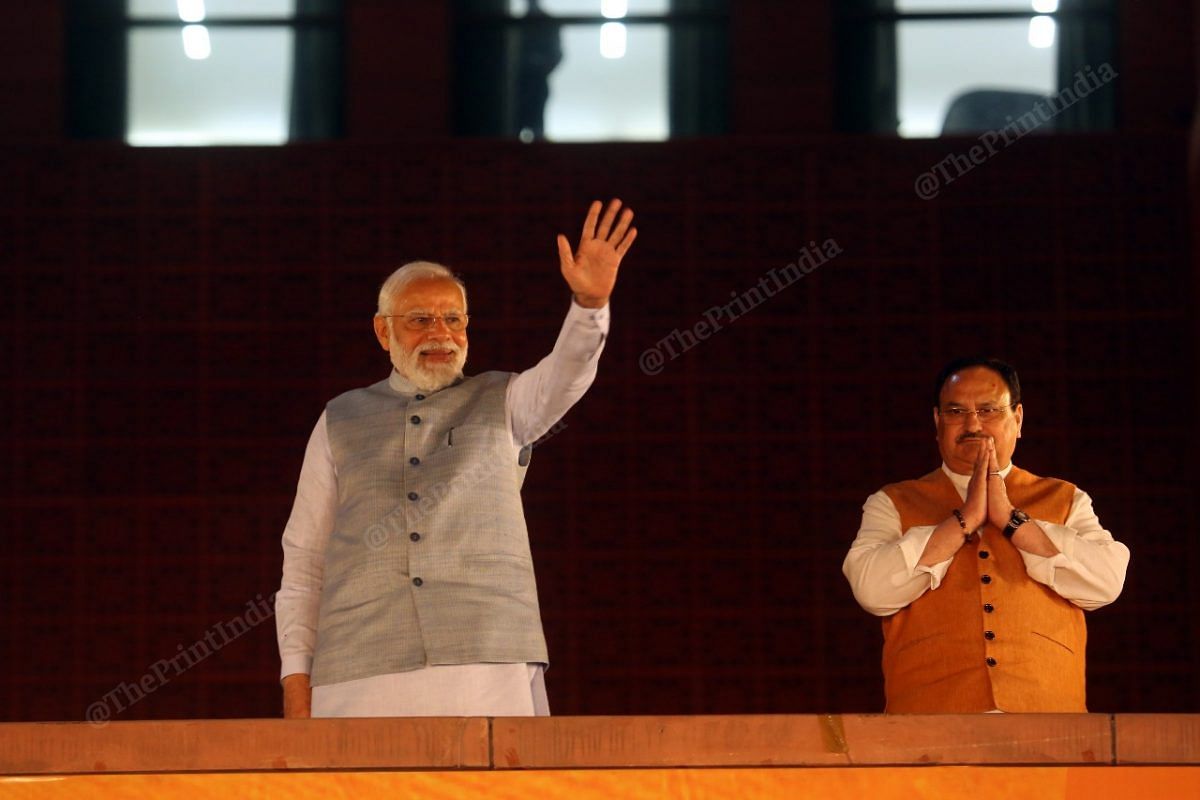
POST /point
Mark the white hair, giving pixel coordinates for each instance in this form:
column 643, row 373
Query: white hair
column 399, row 280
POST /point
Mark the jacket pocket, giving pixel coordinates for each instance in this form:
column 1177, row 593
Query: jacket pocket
column 908, row 644
column 1056, row 641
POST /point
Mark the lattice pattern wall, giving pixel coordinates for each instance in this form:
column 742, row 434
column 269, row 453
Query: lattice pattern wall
column 173, row 322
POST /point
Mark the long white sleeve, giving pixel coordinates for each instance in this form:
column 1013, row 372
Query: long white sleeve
column 882, row 563
column 1089, row 569
column 541, row 395
column 304, row 540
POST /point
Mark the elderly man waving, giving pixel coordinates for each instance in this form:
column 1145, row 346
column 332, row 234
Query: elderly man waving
column 408, row 587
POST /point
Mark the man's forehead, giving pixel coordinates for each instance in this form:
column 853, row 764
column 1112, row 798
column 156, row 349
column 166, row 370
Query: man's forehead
column 429, row 292
column 973, row 382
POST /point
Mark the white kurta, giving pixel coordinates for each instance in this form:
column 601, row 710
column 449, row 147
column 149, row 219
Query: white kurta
column 536, row 399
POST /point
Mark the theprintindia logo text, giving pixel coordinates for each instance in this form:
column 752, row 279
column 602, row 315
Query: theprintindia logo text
column 930, row 184
column 162, row 671
column 653, row 359
column 379, row 534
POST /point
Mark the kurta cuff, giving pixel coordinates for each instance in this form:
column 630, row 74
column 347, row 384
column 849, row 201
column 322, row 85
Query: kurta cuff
column 295, row 662
column 1042, row 568
column 912, row 546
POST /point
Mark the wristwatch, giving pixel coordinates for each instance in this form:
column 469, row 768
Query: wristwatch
column 1017, row 519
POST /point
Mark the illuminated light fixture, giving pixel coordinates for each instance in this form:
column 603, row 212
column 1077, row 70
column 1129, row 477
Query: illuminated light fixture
column 612, row 40
column 614, row 9
column 190, row 10
column 1041, row 32
column 1045, row 6
column 196, row 44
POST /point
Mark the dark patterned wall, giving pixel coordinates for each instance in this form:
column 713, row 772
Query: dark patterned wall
column 173, row 321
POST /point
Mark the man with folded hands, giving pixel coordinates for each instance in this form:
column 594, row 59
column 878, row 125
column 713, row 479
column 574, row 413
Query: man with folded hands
column 980, row 570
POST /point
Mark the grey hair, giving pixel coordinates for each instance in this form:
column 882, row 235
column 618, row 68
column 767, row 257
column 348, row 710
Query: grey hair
column 399, row 280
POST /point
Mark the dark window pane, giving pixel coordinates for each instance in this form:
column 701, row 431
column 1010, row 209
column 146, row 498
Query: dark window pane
column 569, row 80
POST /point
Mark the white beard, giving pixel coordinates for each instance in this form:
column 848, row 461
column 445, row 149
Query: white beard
column 428, row 378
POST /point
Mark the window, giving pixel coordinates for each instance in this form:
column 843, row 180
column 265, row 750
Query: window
column 204, row 72
column 589, row 70
column 923, row 68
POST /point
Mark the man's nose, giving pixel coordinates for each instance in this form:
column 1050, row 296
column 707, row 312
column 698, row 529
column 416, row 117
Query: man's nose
column 973, row 423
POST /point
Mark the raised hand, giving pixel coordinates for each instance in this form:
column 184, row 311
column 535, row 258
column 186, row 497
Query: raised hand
column 591, row 271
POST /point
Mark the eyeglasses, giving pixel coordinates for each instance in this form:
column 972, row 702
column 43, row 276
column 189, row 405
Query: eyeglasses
column 418, row 321
column 984, row 413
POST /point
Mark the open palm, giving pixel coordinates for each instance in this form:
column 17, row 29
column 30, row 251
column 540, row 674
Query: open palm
column 591, row 271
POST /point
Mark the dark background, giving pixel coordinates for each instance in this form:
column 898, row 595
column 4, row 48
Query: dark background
column 172, row 322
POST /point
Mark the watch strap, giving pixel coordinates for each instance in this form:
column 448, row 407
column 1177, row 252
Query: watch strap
column 1015, row 520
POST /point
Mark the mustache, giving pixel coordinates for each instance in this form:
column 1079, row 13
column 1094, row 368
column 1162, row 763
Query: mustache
column 983, row 437
column 446, row 347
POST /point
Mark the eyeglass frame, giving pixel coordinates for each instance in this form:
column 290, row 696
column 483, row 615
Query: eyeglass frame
column 466, row 318
column 959, row 415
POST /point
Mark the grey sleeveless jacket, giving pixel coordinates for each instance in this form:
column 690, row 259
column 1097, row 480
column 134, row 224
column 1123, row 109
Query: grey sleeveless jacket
column 429, row 561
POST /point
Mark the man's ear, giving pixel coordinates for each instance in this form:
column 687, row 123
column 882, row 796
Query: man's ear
column 1019, row 413
column 381, row 333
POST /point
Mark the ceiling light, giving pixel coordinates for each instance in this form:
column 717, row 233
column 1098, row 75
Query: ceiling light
column 614, row 9
column 196, row 45
column 612, row 40
column 190, row 10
